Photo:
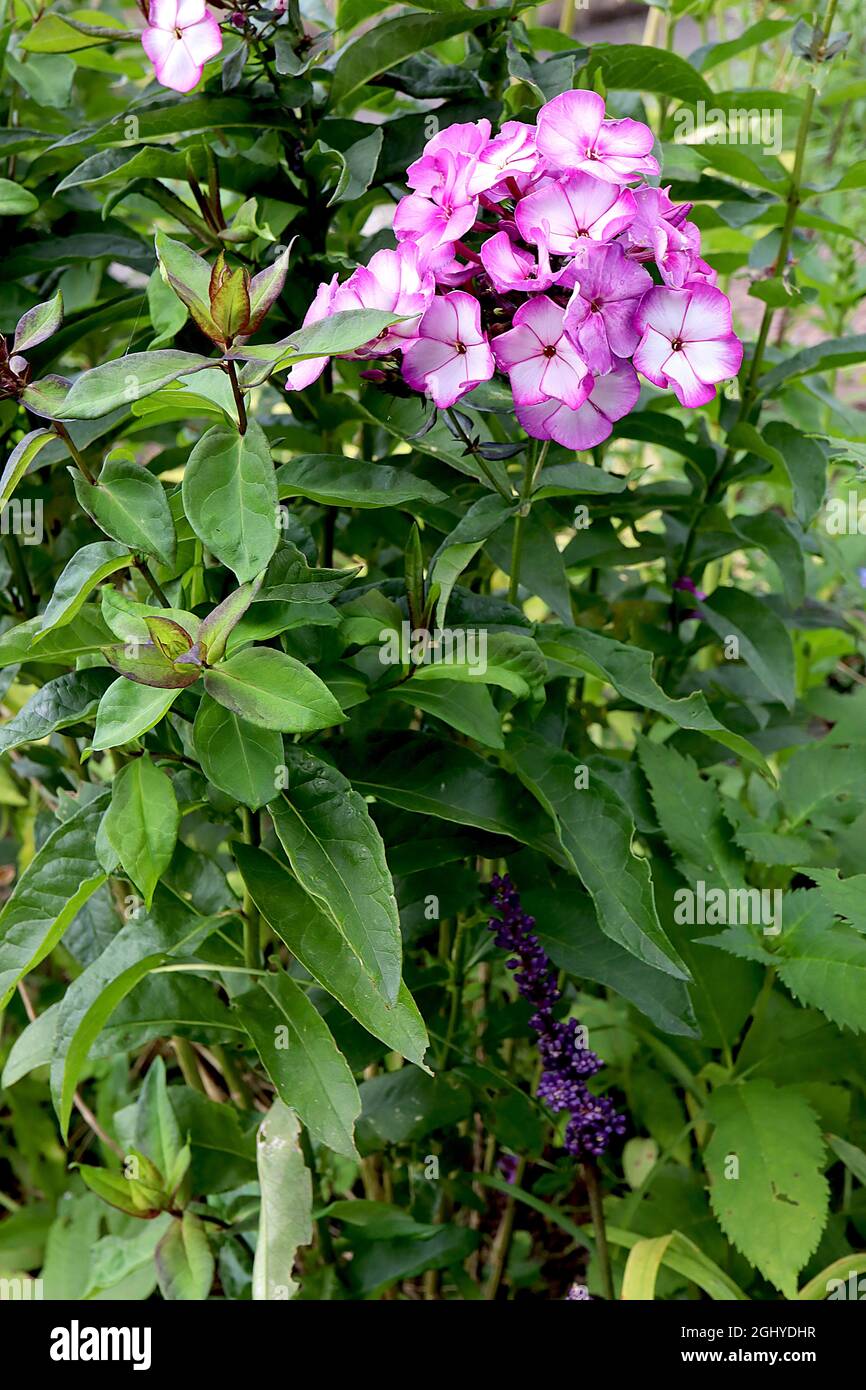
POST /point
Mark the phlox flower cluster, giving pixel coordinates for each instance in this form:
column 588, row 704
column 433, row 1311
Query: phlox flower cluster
column 542, row 253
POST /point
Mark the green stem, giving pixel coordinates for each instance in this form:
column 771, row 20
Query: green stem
column 62, row 432
column 566, row 19
column 455, row 989
column 186, row 1060
column 147, row 574
column 479, row 459
column 502, row 1240
column 534, row 462
column 596, row 1208
column 252, row 923
column 22, row 578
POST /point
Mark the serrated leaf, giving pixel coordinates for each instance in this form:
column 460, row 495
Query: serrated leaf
column 773, row 1208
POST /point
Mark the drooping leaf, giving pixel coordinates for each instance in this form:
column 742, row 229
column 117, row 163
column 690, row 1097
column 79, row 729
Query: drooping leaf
column 130, row 504
column 68, row 699
column 87, row 568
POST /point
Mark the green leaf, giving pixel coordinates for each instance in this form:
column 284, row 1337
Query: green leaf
column 15, row 200
column 823, row 962
column 629, row 670
column 68, row 699
column 18, row 462
column 434, row 778
column 319, row 946
column 142, row 944
column 127, row 710
column 828, row 356
column 774, row 1206
column 462, row 544
column 337, row 481
column 146, row 664
column 87, row 568
column 184, row 1260
column 230, row 498
column 130, row 504
column 711, row 55
column 511, row 660
column 286, row 1217
column 56, row 883
column 815, row 776
column 805, row 462
column 83, row 636
column 240, row 758
column 142, row 823
column 763, row 641
column 469, row 709
column 129, row 379
column 853, row 1158
column 188, row 274
column 776, row 537
column 635, row 67
column 301, row 1058
column 388, row 43
column 567, row 928
column 596, row 832
column 274, row 691
column 690, row 815
column 38, row 324
column 337, row 855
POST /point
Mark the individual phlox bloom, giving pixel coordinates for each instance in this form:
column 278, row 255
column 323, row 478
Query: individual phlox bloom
column 511, row 267
column 467, row 140
column 181, row 36
column 540, row 358
column 451, row 354
column 686, row 341
column 573, row 134
column 393, row 282
column 611, row 397
column 305, row 373
column 599, row 317
column 437, row 221
column 510, row 155
column 573, row 208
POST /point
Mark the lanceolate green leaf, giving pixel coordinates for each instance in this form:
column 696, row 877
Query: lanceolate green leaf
column 142, row 821
column 629, row 670
column 240, row 758
column 301, row 1058
column 55, row 884
column 144, row 942
column 597, row 834
column 340, row 481
column 25, row 452
column 319, row 946
column 230, row 498
column 761, row 638
column 337, row 855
